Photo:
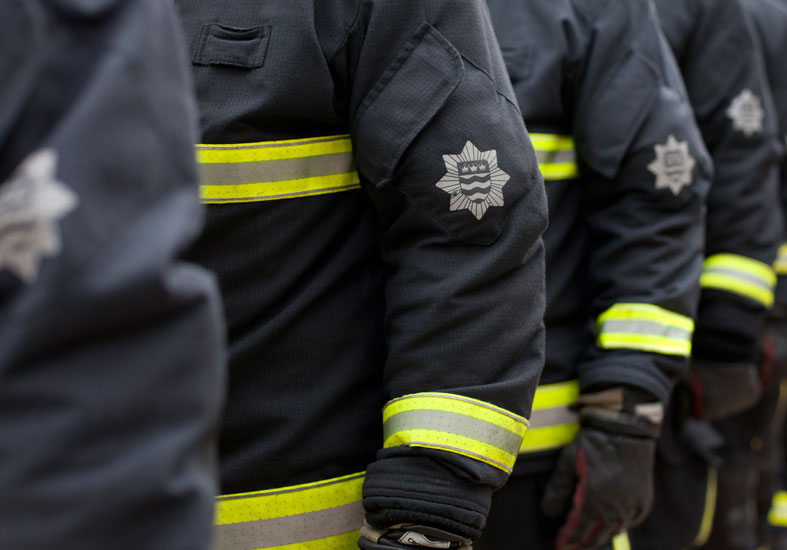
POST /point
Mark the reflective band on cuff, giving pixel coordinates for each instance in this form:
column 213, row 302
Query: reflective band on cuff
column 740, row 275
column 711, row 490
column 251, row 172
column 556, row 156
column 780, row 265
column 553, row 423
column 316, row 516
column 455, row 424
column 777, row 516
column 645, row 327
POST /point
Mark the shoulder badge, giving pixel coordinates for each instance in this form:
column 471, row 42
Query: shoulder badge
column 31, row 203
column 673, row 166
column 746, row 113
column 474, row 180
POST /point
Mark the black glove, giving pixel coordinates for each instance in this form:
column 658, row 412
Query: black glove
column 408, row 536
column 604, row 478
column 723, row 389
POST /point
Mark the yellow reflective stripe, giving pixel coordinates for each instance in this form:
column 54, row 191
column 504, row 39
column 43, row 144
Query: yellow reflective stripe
column 780, row 265
column 272, row 150
column 740, row 275
column 651, row 344
column 314, row 516
column 552, row 142
column 347, row 541
column 251, row 172
column 559, row 171
column 645, row 327
column 552, row 401
column 556, row 156
column 556, row 395
column 711, row 489
column 457, row 424
column 621, row 541
column 289, row 501
column 647, row 312
column 545, row 439
column 254, row 192
column 777, row 515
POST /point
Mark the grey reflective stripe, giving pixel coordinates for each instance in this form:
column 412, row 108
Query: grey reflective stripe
column 741, row 275
column 276, row 170
column 555, row 157
column 650, row 328
column 554, row 416
column 459, row 424
column 270, row 533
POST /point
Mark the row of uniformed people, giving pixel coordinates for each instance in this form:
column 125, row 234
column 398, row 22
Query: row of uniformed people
column 644, row 241
column 375, row 218
column 604, row 61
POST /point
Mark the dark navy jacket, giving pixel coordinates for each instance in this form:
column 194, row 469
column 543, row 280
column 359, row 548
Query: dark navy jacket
column 624, row 242
column 110, row 347
column 770, row 23
column 410, row 276
column 720, row 63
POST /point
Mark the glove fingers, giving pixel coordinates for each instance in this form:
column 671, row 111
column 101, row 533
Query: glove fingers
column 576, row 522
column 560, row 489
column 603, row 535
column 583, row 536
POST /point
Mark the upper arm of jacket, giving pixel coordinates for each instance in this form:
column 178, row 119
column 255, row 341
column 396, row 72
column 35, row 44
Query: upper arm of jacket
column 633, row 104
column 432, row 109
column 20, row 63
column 616, row 87
column 96, row 164
column 718, row 57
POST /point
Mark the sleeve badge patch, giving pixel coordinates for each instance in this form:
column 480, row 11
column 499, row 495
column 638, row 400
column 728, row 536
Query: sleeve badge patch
column 746, row 113
column 474, row 180
column 673, row 166
column 31, row 203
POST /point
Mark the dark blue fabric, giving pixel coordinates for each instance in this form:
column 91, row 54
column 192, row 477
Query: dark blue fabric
column 110, row 356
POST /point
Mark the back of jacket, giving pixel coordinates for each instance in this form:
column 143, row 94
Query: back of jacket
column 375, row 212
column 714, row 45
column 626, row 176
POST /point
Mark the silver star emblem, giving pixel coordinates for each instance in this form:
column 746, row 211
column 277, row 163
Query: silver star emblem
column 673, row 166
column 746, row 113
column 31, row 203
column 474, row 180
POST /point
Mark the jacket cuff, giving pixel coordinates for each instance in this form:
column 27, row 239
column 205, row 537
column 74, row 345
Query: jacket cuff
column 728, row 328
column 655, row 373
column 431, row 488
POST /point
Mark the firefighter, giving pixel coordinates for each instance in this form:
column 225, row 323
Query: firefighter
column 374, row 217
column 626, row 177
column 110, row 346
column 732, row 105
column 764, row 424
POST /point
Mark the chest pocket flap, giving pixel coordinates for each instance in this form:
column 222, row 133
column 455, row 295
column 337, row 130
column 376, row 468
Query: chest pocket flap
column 228, row 46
